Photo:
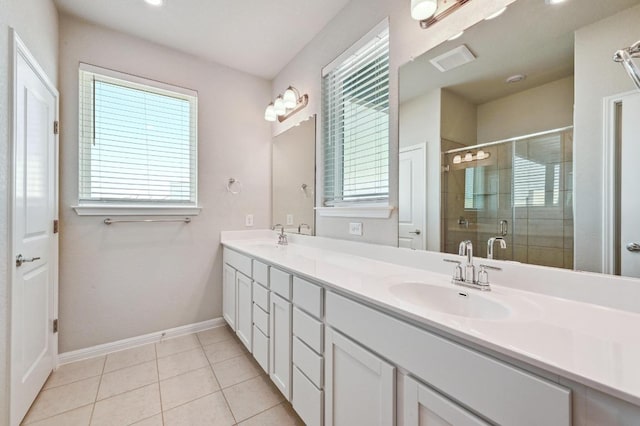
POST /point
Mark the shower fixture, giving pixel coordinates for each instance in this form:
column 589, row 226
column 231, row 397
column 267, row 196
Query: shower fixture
column 625, row 57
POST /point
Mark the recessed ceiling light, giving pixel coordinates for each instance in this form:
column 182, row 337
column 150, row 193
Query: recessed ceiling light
column 456, row 36
column 495, row 14
column 516, row 78
column 155, row 2
column 554, row 1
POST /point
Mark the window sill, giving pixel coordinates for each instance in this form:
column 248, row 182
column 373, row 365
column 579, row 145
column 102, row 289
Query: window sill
column 128, row 210
column 371, row 211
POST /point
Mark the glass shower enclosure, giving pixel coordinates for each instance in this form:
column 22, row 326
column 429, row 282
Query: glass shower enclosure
column 519, row 189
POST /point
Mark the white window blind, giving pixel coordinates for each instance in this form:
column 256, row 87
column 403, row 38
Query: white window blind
column 355, row 124
column 138, row 141
column 536, row 174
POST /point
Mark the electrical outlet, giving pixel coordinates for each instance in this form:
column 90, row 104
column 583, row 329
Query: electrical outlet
column 289, row 219
column 248, row 220
column 355, row 228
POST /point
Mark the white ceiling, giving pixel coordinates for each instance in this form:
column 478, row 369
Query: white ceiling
column 530, row 38
column 255, row 36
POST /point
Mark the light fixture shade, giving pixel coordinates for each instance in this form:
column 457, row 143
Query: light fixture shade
column 457, row 159
column 270, row 113
column 155, row 2
column 290, row 98
column 481, row 155
column 279, row 107
column 468, row 156
column 423, row 9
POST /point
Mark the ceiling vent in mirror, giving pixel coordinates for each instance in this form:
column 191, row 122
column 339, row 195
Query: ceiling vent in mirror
column 454, row 58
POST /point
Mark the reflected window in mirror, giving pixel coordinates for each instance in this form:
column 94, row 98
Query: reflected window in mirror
column 355, row 127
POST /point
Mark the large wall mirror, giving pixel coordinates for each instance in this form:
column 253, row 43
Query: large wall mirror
column 505, row 132
column 294, row 174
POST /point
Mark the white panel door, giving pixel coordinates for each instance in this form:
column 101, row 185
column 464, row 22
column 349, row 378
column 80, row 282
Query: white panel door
column 34, row 278
column 359, row 386
column 229, row 296
column 422, row 406
column 629, row 180
column 411, row 198
column 280, row 344
column 244, row 321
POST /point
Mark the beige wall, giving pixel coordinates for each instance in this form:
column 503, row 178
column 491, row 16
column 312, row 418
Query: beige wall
column 294, row 163
column 538, row 109
column 597, row 77
column 407, row 40
column 36, row 22
column 131, row 279
column 459, row 120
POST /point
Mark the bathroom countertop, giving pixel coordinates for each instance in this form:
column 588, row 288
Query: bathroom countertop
column 589, row 344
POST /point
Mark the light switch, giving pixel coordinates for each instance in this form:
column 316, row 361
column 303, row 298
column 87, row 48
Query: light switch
column 289, row 219
column 248, row 220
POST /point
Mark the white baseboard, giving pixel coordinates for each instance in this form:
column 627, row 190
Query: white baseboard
column 132, row 342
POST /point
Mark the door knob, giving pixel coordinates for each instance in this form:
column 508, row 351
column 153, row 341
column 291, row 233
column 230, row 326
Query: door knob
column 633, row 247
column 20, row 260
column 417, row 232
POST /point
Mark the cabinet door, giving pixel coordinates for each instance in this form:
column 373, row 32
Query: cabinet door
column 359, row 386
column 280, row 344
column 423, row 406
column 244, row 322
column 229, row 296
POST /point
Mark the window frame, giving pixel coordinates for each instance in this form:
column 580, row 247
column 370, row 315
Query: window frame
column 374, row 208
column 124, row 207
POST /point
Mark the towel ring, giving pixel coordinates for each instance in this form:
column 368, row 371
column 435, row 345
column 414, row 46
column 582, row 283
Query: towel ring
column 303, row 188
column 231, row 182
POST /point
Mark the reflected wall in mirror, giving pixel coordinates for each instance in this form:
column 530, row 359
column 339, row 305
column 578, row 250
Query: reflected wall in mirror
column 498, row 144
column 293, row 186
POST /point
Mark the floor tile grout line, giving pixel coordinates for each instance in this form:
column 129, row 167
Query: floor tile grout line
column 70, row 383
column 95, row 400
column 155, row 348
column 263, row 411
column 226, row 401
column 55, row 415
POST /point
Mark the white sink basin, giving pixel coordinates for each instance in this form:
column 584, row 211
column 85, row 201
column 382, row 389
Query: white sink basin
column 453, row 301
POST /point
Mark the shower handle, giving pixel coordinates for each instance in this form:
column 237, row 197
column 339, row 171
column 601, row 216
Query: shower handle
column 504, row 228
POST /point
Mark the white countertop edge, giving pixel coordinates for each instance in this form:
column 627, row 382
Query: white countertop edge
column 458, row 335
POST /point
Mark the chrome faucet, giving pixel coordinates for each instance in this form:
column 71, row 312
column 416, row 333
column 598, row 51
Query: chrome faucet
column 467, row 276
column 282, row 238
column 491, row 242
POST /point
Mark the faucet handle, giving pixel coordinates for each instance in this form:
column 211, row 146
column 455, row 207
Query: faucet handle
column 457, row 273
column 494, row 268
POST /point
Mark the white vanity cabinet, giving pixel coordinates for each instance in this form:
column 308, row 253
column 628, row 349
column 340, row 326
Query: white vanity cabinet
column 229, row 296
column 280, row 325
column 260, row 348
column 423, row 406
column 360, row 386
column 244, row 321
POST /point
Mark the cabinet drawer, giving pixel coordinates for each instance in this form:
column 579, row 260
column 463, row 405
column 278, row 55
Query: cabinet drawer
column 470, row 377
column 307, row 399
column 280, row 282
column 309, row 330
column 238, row 261
column 261, row 319
column 307, row 296
column 309, row 362
column 261, row 273
column 261, row 296
column 261, row 349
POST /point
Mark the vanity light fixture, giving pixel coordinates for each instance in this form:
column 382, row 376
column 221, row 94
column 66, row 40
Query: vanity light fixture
column 155, row 2
column 286, row 105
column 470, row 156
column 435, row 16
column 423, row 9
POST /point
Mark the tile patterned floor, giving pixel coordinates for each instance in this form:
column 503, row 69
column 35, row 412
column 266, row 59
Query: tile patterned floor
column 206, row 378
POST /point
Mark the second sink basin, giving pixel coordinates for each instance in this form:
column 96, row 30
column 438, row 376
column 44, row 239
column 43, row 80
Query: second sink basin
column 452, row 301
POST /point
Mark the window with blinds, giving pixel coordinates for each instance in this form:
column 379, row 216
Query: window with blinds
column 138, row 141
column 355, row 124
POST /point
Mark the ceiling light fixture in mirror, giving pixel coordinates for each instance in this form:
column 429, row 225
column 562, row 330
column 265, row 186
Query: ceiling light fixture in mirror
column 420, row 9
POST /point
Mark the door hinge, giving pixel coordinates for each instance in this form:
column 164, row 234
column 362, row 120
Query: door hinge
column 56, row 226
column 56, row 127
column 55, row 325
